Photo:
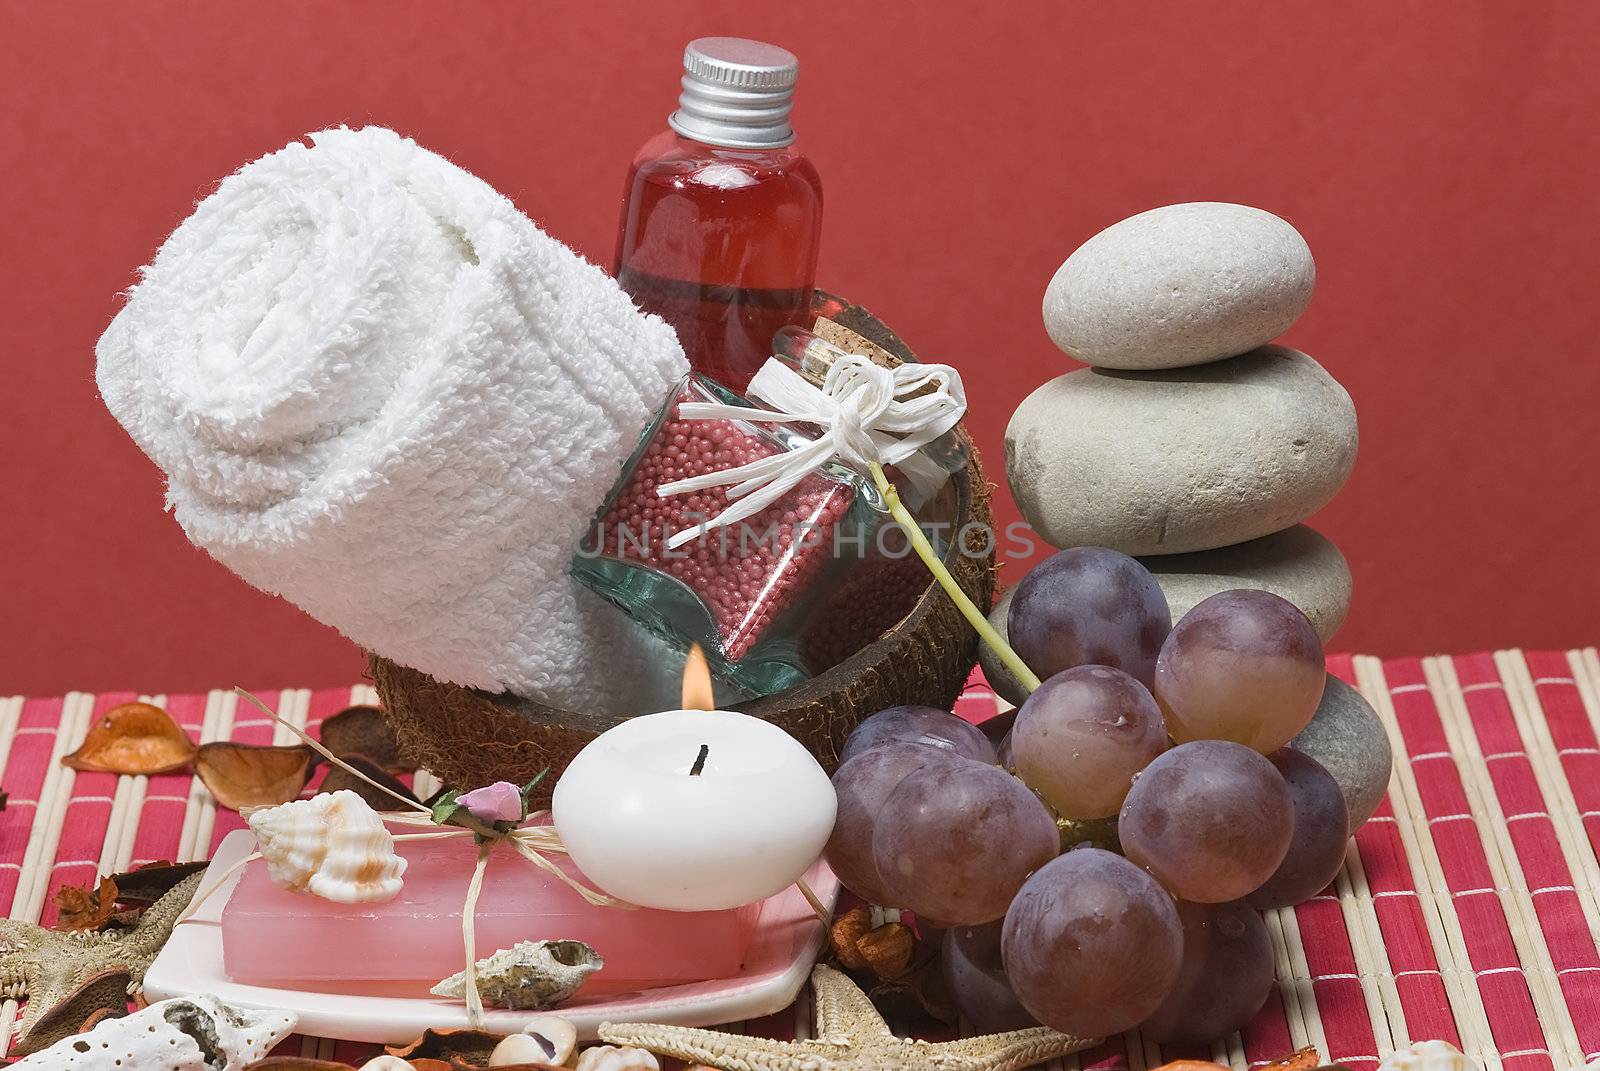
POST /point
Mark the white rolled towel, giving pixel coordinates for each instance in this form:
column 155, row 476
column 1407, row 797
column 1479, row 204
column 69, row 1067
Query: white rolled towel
column 379, row 390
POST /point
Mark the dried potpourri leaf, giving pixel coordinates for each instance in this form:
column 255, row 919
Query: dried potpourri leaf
column 338, row 779
column 297, row 1063
column 134, row 738
column 1190, row 1065
column 253, row 775
column 466, row 1044
column 884, row 950
column 847, row 929
column 148, row 883
column 80, row 908
column 1300, row 1060
column 101, row 1015
column 100, row 995
column 362, row 730
column 887, row 949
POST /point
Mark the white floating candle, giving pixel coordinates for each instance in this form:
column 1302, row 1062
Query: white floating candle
column 644, row 826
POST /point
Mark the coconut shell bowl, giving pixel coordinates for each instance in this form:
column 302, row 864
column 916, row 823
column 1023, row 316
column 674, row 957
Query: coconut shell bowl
column 470, row 737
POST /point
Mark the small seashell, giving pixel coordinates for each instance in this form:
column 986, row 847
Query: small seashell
column 529, row 974
column 334, row 846
column 611, row 1058
column 1429, row 1056
column 387, row 1063
column 558, row 1037
column 517, row 1050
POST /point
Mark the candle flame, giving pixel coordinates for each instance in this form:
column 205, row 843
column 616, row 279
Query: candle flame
column 697, row 691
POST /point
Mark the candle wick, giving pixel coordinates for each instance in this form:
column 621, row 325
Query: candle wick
column 700, row 761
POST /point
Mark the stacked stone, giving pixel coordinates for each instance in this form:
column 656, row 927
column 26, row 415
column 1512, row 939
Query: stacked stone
column 1192, row 442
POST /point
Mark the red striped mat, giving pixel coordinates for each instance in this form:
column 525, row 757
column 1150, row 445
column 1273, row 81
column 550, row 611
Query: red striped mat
column 1468, row 910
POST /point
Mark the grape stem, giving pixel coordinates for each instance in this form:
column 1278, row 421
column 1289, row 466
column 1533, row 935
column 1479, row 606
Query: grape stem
column 975, row 617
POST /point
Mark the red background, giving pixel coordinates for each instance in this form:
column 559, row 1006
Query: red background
column 1441, row 159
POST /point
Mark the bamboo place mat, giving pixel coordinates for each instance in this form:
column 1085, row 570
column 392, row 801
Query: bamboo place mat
column 1468, row 909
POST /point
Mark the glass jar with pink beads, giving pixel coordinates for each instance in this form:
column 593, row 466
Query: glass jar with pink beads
column 740, row 588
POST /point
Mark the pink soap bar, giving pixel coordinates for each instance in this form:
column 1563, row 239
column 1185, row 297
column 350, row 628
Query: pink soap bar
column 271, row 936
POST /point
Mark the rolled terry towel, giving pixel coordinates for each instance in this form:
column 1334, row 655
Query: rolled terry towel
column 377, row 389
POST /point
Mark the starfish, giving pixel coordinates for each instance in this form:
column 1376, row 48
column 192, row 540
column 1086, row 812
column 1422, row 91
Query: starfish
column 47, row 966
column 851, row 1036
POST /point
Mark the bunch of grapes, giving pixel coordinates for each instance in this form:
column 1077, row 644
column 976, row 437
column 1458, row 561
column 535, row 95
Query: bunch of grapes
column 1178, row 734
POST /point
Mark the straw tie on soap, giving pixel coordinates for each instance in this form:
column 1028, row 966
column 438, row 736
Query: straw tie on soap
column 530, row 842
column 869, row 415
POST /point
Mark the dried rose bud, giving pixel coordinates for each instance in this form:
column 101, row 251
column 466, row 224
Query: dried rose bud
column 499, row 802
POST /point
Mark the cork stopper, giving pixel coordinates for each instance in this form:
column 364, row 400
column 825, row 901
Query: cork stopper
column 814, row 351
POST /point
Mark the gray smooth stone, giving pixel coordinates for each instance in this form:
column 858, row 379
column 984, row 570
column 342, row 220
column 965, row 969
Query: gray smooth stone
column 1346, row 736
column 1001, row 679
column 1180, row 285
column 1170, row 462
column 1297, row 564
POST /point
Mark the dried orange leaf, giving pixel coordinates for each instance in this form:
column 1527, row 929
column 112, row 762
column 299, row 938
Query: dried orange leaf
column 338, row 779
column 85, row 909
column 253, row 775
column 362, row 730
column 1299, row 1060
column 134, row 738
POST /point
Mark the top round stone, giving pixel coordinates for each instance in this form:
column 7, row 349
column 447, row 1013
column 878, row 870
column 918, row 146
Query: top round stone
column 1180, row 285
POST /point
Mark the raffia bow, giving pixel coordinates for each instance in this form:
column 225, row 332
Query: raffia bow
column 530, row 842
column 869, row 415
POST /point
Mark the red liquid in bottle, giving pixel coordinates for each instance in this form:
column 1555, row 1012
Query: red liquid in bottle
column 722, row 244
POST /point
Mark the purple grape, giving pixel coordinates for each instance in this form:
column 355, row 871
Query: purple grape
column 1225, row 977
column 1089, row 606
column 862, row 785
column 1210, row 819
column 1083, row 735
column 976, row 978
column 997, row 728
column 1091, row 944
column 919, row 725
column 1321, row 833
column 1243, row 665
column 956, row 839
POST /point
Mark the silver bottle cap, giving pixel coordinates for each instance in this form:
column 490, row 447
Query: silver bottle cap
column 736, row 93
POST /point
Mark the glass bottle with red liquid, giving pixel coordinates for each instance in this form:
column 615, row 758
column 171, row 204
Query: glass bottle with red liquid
column 722, row 215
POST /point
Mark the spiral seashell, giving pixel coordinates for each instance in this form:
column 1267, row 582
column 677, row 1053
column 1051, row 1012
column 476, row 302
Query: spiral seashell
column 334, row 846
column 1429, row 1056
column 611, row 1058
column 529, row 974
